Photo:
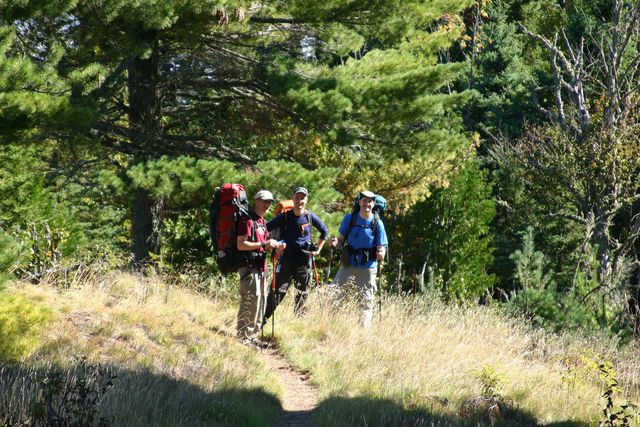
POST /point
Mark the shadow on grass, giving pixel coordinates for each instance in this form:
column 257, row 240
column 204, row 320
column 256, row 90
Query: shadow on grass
column 82, row 395
column 360, row 411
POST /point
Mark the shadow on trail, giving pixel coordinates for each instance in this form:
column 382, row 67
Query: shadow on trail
column 82, row 395
column 360, row 411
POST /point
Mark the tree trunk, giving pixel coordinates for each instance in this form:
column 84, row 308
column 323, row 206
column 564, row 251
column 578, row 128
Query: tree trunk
column 634, row 307
column 605, row 276
column 400, row 274
column 146, row 227
column 145, row 133
column 421, row 285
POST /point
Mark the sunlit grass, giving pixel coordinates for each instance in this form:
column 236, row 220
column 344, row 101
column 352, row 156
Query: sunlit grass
column 172, row 350
column 425, row 355
column 176, row 363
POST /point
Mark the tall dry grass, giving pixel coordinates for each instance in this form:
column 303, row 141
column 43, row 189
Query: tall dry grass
column 424, row 355
column 171, row 349
column 176, row 363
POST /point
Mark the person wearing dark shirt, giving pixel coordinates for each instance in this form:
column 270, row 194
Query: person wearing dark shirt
column 296, row 261
column 253, row 241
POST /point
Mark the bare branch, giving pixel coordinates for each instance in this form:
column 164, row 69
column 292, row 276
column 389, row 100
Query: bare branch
column 572, row 217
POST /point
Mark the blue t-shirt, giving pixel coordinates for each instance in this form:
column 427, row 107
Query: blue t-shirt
column 361, row 237
column 297, row 230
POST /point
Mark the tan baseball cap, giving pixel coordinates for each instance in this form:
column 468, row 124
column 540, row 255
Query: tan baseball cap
column 264, row 195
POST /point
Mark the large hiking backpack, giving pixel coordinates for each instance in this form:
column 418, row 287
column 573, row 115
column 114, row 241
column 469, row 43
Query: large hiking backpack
column 284, row 206
column 228, row 205
column 379, row 208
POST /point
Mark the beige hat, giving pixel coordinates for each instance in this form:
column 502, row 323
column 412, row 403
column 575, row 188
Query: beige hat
column 264, row 195
column 367, row 193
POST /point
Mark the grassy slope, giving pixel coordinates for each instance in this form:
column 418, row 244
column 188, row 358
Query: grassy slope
column 424, row 360
column 171, row 349
column 176, row 362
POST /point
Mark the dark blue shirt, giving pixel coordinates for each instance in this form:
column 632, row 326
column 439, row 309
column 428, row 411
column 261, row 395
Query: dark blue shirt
column 296, row 229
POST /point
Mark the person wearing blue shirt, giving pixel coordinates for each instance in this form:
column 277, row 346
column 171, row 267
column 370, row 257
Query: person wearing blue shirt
column 296, row 261
column 365, row 241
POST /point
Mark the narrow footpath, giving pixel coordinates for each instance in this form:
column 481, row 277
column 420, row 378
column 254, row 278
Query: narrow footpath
column 300, row 396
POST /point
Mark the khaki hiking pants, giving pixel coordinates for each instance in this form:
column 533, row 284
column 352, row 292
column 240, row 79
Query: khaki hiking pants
column 253, row 298
column 365, row 280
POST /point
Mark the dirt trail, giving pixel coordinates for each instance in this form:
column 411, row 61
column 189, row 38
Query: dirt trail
column 300, row 397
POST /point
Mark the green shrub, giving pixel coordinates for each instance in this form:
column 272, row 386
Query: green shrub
column 538, row 296
column 11, row 252
column 57, row 219
column 21, row 321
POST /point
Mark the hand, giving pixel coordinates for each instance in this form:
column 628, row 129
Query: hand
column 271, row 244
column 333, row 242
column 280, row 246
column 380, row 254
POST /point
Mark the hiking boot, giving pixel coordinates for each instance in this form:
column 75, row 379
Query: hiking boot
column 258, row 343
column 248, row 342
column 254, row 343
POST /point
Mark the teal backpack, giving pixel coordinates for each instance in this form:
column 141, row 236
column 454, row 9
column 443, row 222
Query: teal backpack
column 379, row 208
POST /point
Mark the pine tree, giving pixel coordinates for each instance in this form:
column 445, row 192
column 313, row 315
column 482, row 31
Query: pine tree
column 449, row 234
column 32, row 92
column 213, row 78
column 185, row 186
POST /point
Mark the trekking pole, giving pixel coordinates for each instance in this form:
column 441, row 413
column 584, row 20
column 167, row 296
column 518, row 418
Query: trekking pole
column 380, row 289
column 315, row 270
column 329, row 268
column 273, row 297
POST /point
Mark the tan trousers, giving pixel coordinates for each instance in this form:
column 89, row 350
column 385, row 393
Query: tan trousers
column 365, row 280
column 253, row 298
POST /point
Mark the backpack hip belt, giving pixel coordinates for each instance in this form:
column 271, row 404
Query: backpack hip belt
column 365, row 254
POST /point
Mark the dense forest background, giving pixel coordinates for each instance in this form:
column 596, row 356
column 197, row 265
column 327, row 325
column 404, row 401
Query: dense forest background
column 504, row 135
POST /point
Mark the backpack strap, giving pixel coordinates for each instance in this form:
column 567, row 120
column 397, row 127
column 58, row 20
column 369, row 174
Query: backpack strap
column 254, row 225
column 352, row 223
column 374, row 227
column 303, row 226
column 286, row 225
column 376, row 220
column 310, row 225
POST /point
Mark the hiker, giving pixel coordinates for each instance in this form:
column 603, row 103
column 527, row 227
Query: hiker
column 296, row 261
column 366, row 245
column 253, row 241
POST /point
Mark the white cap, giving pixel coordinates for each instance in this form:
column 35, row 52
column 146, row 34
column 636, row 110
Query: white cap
column 367, row 193
column 264, row 195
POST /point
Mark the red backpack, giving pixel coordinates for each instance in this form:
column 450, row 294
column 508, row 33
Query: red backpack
column 228, row 205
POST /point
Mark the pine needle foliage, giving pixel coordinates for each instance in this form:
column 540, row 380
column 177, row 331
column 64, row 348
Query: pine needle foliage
column 445, row 239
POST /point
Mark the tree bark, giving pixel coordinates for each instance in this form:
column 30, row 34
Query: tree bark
column 145, row 134
column 146, row 227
